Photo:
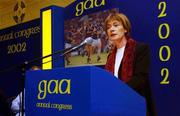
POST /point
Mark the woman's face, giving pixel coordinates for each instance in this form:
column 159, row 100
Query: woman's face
column 115, row 31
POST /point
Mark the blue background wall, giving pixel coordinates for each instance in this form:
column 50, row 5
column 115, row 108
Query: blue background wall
column 145, row 25
column 10, row 71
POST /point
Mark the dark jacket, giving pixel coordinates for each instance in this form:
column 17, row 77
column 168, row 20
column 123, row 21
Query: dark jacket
column 136, row 67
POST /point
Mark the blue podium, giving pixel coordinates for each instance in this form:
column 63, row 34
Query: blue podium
column 80, row 91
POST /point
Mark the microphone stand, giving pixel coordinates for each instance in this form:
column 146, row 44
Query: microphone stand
column 22, row 95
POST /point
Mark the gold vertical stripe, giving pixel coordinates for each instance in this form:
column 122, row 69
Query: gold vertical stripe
column 46, row 38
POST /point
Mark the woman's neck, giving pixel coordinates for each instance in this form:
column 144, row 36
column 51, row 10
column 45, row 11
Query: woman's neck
column 121, row 43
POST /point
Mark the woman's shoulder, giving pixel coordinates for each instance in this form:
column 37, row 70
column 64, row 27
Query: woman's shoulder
column 141, row 45
column 142, row 48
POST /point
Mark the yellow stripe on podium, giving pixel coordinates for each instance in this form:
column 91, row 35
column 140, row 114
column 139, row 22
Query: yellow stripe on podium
column 46, row 39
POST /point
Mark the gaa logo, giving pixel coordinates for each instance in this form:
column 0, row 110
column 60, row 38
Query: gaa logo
column 19, row 11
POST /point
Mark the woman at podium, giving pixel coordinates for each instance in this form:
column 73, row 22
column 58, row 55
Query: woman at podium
column 128, row 60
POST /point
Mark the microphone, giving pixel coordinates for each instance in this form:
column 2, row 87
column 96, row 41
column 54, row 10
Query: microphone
column 88, row 40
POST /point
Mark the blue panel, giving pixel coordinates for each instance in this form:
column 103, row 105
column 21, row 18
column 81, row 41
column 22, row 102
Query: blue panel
column 93, row 92
column 58, row 34
column 112, row 97
column 167, row 95
column 71, row 10
column 79, row 98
